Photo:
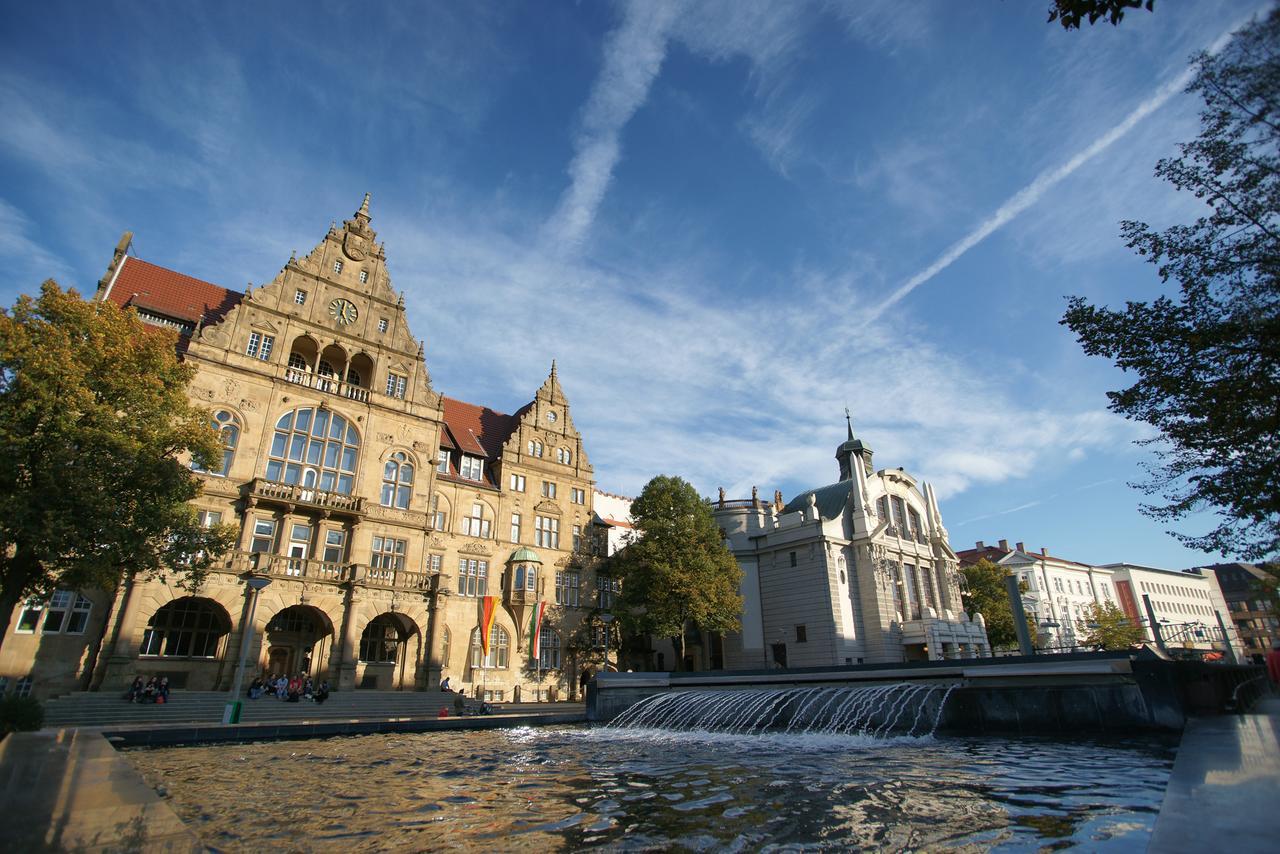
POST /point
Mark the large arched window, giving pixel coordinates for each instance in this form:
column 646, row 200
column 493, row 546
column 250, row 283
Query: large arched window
column 227, row 426
column 548, row 649
column 397, row 481
column 315, row 448
column 382, row 639
column 187, row 627
column 499, row 649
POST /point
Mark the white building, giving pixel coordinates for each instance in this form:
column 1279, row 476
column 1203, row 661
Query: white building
column 1189, row 606
column 859, row 571
column 613, row 517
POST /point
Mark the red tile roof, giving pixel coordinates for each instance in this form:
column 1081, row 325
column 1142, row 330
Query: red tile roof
column 156, row 289
column 478, row 429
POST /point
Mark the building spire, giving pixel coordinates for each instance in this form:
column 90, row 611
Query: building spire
column 364, row 207
column 553, row 369
column 848, row 421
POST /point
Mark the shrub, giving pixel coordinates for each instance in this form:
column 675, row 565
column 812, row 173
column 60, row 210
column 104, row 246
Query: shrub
column 20, row 713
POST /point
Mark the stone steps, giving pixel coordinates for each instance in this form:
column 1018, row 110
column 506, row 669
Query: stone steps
column 108, row 709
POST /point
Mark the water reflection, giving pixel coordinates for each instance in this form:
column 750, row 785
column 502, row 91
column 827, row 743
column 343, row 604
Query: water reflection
column 539, row 789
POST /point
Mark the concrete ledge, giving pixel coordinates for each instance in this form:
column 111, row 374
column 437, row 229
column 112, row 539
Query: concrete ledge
column 210, row 733
column 68, row 790
column 1225, row 785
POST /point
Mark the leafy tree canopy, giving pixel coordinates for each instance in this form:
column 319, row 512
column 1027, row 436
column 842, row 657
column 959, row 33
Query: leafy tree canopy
column 93, row 415
column 985, row 593
column 1207, row 362
column 1105, row 626
column 1070, row 13
column 677, row 571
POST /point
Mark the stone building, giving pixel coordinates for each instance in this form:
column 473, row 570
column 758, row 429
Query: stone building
column 382, row 511
column 859, row 571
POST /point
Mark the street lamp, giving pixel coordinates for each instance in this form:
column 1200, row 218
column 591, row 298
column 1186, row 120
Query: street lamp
column 607, row 619
column 255, row 585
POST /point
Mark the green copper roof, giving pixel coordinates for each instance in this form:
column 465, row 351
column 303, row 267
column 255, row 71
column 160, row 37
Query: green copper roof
column 830, row 499
column 524, row 554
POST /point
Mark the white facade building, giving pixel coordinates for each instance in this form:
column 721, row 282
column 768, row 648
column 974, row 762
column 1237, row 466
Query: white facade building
column 859, row 571
column 1189, row 606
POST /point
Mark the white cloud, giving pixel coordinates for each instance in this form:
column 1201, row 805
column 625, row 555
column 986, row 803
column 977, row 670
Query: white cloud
column 28, row 262
column 633, row 56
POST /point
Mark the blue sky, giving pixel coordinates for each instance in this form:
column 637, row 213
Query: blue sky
column 726, row 220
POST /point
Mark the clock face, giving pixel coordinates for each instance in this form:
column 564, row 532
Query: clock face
column 344, row 311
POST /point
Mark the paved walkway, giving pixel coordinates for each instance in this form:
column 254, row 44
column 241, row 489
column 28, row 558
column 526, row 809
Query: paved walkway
column 71, row 791
column 1224, row 793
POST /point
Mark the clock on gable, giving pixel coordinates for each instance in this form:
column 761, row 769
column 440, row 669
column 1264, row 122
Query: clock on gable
column 344, row 311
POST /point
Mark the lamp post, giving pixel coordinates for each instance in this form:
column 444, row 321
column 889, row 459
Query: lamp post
column 254, row 585
column 607, row 619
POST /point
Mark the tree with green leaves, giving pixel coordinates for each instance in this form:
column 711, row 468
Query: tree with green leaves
column 1207, row 362
column 985, row 593
column 1105, row 626
column 94, row 415
column 676, row 572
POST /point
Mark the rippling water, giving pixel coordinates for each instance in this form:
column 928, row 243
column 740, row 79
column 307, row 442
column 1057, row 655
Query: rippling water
column 579, row 787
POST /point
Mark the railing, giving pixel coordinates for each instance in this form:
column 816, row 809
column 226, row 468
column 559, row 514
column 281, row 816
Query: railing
column 329, row 384
column 295, row 494
column 397, row 579
column 279, row 566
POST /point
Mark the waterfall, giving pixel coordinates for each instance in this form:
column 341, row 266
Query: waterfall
column 903, row 708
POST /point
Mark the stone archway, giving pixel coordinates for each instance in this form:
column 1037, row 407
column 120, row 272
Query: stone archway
column 390, row 647
column 298, row 639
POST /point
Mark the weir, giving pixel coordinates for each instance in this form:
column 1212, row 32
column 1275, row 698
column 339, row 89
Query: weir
column 878, row 710
column 1083, row 692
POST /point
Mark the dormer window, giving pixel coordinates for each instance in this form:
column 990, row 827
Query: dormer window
column 442, row 461
column 472, row 468
column 337, row 266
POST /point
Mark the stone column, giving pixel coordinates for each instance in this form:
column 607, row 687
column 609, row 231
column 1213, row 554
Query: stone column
column 349, row 648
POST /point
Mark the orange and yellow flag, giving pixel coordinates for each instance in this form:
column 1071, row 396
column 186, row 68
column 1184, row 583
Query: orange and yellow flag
column 486, row 622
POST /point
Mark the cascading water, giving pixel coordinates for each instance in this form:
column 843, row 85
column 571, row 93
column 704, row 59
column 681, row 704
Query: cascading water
column 903, row 708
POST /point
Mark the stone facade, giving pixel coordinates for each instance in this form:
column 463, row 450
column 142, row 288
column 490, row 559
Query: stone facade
column 382, row 511
column 857, row 572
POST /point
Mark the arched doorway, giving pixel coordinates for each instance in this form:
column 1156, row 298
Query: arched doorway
column 389, row 647
column 298, row 640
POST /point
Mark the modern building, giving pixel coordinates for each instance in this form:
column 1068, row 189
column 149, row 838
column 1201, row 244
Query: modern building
column 382, row 512
column 858, row 571
column 1250, row 596
column 1186, row 607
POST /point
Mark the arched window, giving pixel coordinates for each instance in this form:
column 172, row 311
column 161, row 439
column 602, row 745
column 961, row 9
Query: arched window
column 315, row 448
column 548, row 649
column 228, row 429
column 535, row 449
column 188, row 627
column 397, row 481
column 499, row 649
column 564, row 455
column 297, row 362
column 382, row 639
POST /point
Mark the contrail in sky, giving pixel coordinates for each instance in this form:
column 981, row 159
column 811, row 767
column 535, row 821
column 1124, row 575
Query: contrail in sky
column 1045, row 181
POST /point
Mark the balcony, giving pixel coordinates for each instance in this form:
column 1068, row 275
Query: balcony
column 260, row 489
column 394, row 579
column 279, row 566
column 327, row 384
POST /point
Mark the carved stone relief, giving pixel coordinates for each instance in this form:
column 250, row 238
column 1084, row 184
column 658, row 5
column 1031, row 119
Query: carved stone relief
column 475, row 547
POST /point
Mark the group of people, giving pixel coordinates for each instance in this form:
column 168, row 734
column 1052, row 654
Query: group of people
column 154, row 690
column 291, row 689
